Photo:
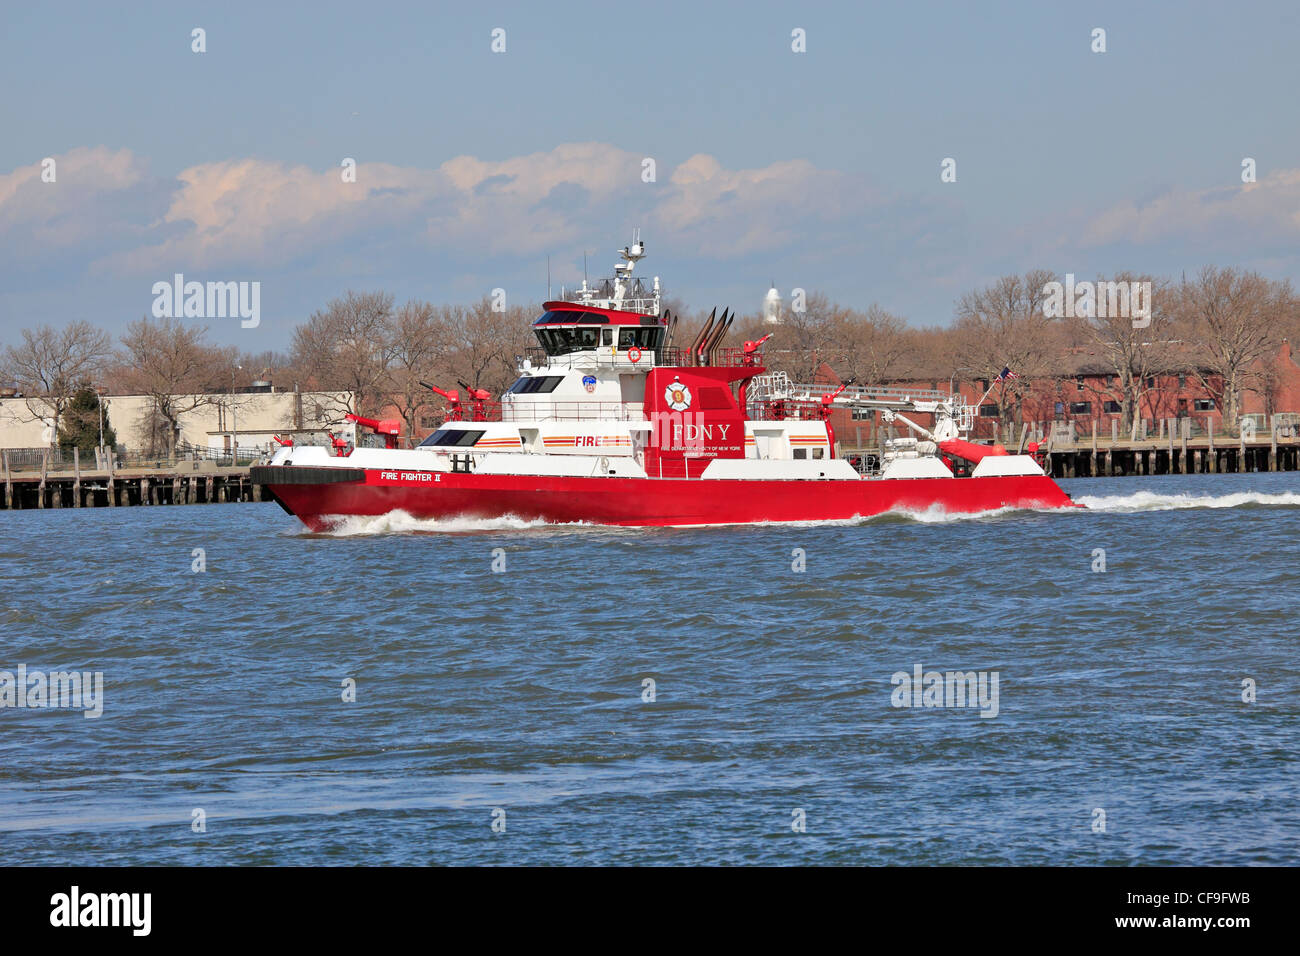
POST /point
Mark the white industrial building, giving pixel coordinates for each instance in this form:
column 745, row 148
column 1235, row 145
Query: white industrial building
column 246, row 418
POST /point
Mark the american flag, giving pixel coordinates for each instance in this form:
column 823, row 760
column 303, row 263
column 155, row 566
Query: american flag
column 1005, row 374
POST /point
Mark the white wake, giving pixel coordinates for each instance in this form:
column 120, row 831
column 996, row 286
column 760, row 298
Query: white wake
column 402, row 522
column 1150, row 501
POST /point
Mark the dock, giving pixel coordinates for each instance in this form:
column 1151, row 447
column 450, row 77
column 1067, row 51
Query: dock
column 111, row 485
column 1176, row 449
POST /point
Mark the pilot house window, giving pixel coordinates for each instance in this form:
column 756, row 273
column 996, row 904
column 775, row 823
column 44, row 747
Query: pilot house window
column 642, row 338
column 457, row 437
column 530, row 384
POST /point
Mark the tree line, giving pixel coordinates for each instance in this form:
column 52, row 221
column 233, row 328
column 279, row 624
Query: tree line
column 1220, row 328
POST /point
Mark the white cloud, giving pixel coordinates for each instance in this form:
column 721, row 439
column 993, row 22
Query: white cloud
column 1245, row 214
column 244, row 212
column 80, row 206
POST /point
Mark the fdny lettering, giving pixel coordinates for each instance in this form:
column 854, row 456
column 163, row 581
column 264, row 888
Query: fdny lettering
column 409, row 476
column 700, row 432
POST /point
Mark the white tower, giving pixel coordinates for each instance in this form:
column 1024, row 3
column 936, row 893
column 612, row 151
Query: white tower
column 772, row 306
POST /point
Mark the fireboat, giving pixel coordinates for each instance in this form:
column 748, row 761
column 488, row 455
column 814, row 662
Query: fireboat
column 610, row 423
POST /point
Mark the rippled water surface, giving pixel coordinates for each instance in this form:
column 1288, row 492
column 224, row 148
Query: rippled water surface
column 523, row 690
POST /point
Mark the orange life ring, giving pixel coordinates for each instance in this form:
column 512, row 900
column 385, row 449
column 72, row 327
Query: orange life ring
column 634, row 354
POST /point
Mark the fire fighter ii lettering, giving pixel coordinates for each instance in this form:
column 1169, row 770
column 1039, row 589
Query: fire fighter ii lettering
column 410, row 476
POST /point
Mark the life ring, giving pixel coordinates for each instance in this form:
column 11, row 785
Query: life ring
column 634, row 354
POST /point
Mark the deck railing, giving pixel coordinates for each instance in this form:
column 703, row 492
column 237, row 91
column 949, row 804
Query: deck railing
column 543, row 411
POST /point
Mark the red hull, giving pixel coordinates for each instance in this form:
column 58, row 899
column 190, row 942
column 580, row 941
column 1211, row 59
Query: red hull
column 659, row 501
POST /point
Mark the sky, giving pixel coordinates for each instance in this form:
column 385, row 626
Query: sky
column 818, row 170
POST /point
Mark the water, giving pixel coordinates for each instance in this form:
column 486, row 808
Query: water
column 522, row 690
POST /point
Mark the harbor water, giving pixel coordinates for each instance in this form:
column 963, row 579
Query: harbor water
column 406, row 692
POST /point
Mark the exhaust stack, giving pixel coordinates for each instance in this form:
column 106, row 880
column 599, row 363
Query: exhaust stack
column 695, row 345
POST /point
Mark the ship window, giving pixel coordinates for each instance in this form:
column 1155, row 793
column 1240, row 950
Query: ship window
column 643, row 338
column 565, row 316
column 457, row 437
column 530, row 384
column 563, row 341
column 818, row 452
column 800, row 453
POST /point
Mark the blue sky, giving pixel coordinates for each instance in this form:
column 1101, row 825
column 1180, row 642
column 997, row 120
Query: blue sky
column 818, row 170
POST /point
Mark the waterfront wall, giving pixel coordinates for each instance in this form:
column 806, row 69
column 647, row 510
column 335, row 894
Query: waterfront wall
column 187, row 482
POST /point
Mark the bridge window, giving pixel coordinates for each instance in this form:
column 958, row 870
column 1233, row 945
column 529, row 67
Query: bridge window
column 643, row 338
column 531, row 384
column 564, row 341
column 453, row 437
column 565, row 317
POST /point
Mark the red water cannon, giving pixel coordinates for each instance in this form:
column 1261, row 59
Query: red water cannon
column 283, row 442
column 828, row 406
column 828, row 399
column 454, row 411
column 390, row 428
column 751, row 348
column 478, row 396
column 340, row 445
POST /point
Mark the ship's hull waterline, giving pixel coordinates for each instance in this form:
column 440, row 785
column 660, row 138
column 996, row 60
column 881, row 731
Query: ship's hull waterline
column 653, row 502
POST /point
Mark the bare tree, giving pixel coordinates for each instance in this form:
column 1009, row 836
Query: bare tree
column 419, row 349
column 347, row 348
column 1004, row 326
column 1235, row 319
column 52, row 364
column 484, row 345
column 870, row 349
column 1137, row 355
column 172, row 364
column 807, row 339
